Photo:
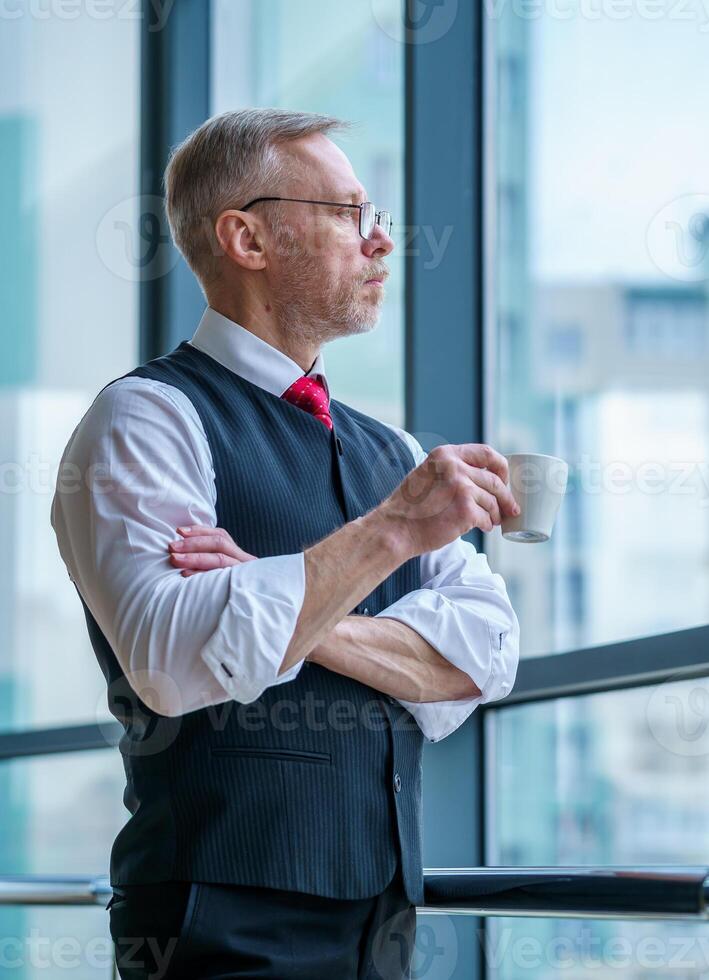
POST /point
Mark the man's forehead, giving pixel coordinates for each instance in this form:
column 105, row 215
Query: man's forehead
column 349, row 194
column 327, row 173
column 324, row 189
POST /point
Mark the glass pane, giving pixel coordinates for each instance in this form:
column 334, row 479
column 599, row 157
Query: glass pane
column 68, row 150
column 46, row 941
column 617, row 778
column 59, row 815
column 598, row 320
column 308, row 56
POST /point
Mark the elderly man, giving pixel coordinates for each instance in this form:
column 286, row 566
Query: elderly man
column 275, row 586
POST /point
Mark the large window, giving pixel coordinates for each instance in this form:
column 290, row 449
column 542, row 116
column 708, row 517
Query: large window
column 69, row 157
column 313, row 57
column 597, row 342
column 607, row 779
column 599, row 314
column 68, row 272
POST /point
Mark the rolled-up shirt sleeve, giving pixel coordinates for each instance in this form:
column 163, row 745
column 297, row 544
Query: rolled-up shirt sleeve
column 136, row 468
column 463, row 610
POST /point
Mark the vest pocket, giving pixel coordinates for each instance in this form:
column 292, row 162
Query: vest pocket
column 288, row 755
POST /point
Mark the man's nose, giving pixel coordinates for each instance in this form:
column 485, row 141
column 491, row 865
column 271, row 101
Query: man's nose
column 379, row 244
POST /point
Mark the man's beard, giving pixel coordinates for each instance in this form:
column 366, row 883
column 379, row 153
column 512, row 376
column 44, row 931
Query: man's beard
column 309, row 310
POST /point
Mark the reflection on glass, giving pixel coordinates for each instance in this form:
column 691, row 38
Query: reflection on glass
column 61, row 812
column 599, row 321
column 59, row 815
column 68, row 322
column 606, row 779
column 44, row 941
column 308, row 56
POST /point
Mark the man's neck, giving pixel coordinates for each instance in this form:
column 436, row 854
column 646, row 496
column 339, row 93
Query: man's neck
column 263, row 326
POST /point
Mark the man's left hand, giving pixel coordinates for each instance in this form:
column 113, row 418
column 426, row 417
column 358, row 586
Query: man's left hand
column 202, row 548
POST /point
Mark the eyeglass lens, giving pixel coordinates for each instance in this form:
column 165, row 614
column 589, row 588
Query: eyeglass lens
column 368, row 218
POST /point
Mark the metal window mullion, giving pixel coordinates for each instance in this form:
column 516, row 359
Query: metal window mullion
column 443, row 364
column 175, row 99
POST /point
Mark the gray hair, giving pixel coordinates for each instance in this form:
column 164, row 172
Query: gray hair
column 226, row 162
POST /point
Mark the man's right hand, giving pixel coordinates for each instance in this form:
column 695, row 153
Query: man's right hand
column 456, row 488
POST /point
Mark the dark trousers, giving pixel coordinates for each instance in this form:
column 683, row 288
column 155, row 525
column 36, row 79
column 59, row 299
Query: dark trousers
column 202, row 931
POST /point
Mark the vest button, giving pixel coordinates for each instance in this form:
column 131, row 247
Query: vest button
column 391, row 699
column 397, row 782
column 365, row 612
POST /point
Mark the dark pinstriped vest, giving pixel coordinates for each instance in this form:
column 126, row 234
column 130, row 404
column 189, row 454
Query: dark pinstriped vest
column 316, row 785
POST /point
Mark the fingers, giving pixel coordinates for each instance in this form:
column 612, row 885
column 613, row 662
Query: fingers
column 488, row 502
column 487, row 468
column 484, row 456
column 206, row 542
column 504, row 502
column 483, row 520
column 202, row 548
column 203, row 561
column 200, row 538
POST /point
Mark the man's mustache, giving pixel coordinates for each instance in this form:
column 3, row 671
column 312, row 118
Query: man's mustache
column 381, row 273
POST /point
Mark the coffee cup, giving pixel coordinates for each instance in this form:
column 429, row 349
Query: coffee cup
column 538, row 483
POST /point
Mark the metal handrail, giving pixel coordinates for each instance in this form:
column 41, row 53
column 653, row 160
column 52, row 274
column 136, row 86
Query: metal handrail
column 638, row 892
column 54, row 890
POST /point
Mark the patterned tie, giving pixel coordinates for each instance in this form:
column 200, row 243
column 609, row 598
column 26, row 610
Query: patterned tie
column 310, row 395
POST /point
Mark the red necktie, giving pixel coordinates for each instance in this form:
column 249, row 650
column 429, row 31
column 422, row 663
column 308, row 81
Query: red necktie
column 310, row 395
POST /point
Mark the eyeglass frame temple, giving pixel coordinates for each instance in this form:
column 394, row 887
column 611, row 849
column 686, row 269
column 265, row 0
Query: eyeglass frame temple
column 333, row 204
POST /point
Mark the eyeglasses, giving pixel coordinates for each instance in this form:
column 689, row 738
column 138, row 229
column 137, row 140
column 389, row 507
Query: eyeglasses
column 368, row 214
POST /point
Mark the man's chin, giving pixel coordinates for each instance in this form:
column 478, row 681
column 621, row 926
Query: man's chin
column 369, row 320
column 353, row 327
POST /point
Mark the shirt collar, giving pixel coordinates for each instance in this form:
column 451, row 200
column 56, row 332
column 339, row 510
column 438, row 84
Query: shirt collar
column 247, row 355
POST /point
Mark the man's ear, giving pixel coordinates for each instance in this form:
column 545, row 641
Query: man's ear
column 238, row 235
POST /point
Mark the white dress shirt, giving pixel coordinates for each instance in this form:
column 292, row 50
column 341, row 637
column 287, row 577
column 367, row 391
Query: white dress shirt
column 138, row 466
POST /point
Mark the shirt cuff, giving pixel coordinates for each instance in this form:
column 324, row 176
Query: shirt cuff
column 438, row 719
column 484, row 647
column 247, row 648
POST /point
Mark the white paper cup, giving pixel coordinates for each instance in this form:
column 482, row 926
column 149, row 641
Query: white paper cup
column 538, row 484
